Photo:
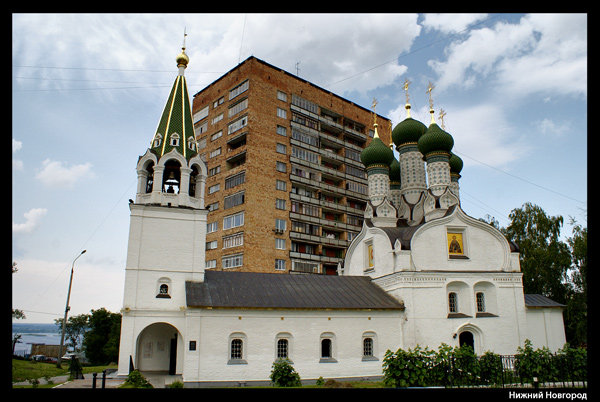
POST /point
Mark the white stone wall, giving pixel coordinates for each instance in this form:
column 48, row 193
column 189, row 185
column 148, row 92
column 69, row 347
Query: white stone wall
column 303, row 328
column 412, row 174
column 545, row 327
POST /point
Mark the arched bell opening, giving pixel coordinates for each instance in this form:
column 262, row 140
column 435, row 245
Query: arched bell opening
column 193, row 176
column 171, row 177
column 160, row 349
column 149, row 177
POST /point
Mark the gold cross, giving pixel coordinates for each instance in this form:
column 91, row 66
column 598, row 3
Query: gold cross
column 184, row 35
column 374, row 104
column 429, row 89
column 406, row 84
column 442, row 114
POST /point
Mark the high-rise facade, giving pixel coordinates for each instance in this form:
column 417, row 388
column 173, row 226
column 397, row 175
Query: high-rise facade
column 286, row 189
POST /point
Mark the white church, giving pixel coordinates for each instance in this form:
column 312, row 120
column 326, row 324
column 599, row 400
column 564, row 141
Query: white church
column 421, row 272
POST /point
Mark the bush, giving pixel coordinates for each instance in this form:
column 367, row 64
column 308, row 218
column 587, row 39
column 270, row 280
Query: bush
column 283, row 374
column 135, row 379
column 175, row 384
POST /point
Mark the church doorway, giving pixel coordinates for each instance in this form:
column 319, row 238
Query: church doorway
column 158, row 349
column 466, row 338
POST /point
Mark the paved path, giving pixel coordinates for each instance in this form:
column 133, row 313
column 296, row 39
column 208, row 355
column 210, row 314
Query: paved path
column 62, row 382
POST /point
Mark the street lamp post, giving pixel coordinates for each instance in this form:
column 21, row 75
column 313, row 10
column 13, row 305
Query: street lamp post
column 67, row 308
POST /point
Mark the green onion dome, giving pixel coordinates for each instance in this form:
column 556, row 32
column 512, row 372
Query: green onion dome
column 395, row 171
column 435, row 140
column 407, row 131
column 456, row 164
column 377, row 153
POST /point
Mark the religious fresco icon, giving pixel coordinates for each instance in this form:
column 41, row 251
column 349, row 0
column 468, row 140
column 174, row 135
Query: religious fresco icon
column 455, row 244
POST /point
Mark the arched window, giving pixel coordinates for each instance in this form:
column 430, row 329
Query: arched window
column 174, row 139
column 236, row 349
column 191, row 143
column 282, row 349
column 368, row 347
column 237, row 352
column 149, row 177
column 326, row 348
column 157, row 140
column 452, row 302
column 163, row 288
column 480, row 299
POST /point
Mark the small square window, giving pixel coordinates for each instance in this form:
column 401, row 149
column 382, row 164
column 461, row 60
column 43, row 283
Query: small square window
column 192, row 345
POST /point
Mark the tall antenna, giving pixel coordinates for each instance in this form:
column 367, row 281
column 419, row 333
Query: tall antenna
column 298, row 68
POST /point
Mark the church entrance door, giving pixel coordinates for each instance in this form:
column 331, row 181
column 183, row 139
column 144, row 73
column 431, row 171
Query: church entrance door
column 466, row 338
column 157, row 348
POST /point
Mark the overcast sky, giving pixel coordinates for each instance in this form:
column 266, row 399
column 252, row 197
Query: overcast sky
column 88, row 90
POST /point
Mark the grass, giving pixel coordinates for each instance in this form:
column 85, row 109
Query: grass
column 23, row 370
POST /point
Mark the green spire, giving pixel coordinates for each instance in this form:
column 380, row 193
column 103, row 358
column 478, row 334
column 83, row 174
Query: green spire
column 175, row 128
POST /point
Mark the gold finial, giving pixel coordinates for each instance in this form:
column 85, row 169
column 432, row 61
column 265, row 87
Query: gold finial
column 374, row 105
column 442, row 114
column 407, row 106
column 183, row 59
column 429, row 89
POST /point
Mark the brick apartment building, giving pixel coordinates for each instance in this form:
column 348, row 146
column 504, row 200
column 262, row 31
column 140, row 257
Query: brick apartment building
column 286, row 189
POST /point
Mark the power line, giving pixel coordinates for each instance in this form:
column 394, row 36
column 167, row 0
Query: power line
column 520, row 178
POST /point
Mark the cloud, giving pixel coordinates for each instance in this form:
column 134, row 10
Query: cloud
column 17, row 164
column 32, row 220
column 450, row 23
column 57, row 174
column 550, row 128
column 542, row 53
column 329, row 47
column 42, row 285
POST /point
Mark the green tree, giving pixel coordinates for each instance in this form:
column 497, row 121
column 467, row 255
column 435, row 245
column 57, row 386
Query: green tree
column 16, row 314
column 576, row 311
column 101, row 341
column 283, row 374
column 74, row 329
column 545, row 259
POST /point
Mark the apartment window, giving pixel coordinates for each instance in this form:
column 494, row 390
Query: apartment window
column 352, row 154
column 280, row 185
column 281, row 113
column 303, row 227
column 212, row 207
column 305, row 121
column 216, row 135
column 281, row 148
column 238, row 107
column 214, row 153
column 282, row 131
column 211, row 245
column 305, row 104
column 305, row 266
column 357, row 187
column 280, row 224
column 218, row 101
column 213, row 171
column 280, row 265
column 199, row 115
column 233, row 221
column 232, row 261
column 305, row 209
column 216, row 119
column 305, row 137
column 354, row 220
column 282, row 96
column 280, row 244
column 212, row 227
column 214, row 189
column 357, row 172
column 234, row 200
column 202, row 144
column 243, row 87
column 234, row 240
column 235, row 180
column 281, row 167
column 279, row 203
column 237, row 125
column 201, row 129
column 305, row 155
column 210, row 264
